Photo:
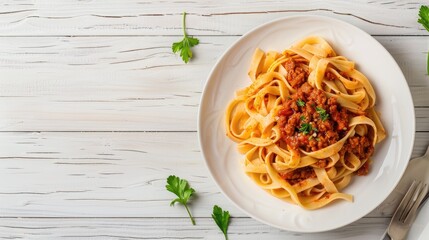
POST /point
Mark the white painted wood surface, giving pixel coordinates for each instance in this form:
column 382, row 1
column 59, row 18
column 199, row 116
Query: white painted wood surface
column 211, row 17
column 172, row 228
column 91, row 97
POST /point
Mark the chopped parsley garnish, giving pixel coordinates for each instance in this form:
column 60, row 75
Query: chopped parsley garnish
column 302, row 118
column 305, row 128
column 322, row 113
column 300, row 103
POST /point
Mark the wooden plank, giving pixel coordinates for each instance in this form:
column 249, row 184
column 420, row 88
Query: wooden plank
column 422, row 119
column 132, row 83
column 101, row 174
column 137, row 17
column 59, row 174
column 172, row 228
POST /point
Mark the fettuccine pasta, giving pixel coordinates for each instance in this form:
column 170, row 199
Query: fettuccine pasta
column 306, row 124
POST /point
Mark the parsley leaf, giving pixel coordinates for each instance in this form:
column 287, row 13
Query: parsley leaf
column 322, row 113
column 222, row 219
column 305, row 128
column 424, row 20
column 300, row 103
column 424, row 16
column 181, row 188
column 185, row 45
column 302, row 118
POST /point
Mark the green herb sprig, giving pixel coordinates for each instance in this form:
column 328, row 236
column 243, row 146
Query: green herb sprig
column 424, row 16
column 306, row 128
column 181, row 188
column 424, row 20
column 222, row 219
column 300, row 103
column 186, row 44
column 322, row 113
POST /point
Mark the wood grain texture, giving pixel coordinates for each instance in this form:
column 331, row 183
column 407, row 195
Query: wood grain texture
column 110, row 175
column 172, row 228
column 146, row 17
column 133, row 83
column 72, row 67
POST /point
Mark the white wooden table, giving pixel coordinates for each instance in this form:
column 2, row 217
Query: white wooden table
column 96, row 112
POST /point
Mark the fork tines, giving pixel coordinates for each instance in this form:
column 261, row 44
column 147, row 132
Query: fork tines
column 407, row 209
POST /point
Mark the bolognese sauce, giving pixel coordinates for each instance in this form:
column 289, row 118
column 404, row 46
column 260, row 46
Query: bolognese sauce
column 309, row 120
column 304, row 147
column 298, row 175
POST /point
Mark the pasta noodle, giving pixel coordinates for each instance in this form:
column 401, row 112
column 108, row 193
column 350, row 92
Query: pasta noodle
column 306, row 124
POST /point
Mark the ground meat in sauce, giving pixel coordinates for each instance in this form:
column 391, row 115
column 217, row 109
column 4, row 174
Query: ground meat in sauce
column 301, row 174
column 322, row 163
column 296, row 75
column 323, row 132
column 330, row 76
column 360, row 146
column 362, row 171
column 298, row 175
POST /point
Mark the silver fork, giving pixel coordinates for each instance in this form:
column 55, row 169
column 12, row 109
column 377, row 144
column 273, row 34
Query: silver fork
column 406, row 212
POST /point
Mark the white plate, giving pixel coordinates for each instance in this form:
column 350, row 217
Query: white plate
column 393, row 101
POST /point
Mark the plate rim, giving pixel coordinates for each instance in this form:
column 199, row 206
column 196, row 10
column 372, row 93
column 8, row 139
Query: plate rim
column 246, row 35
